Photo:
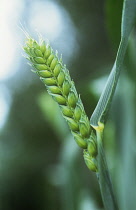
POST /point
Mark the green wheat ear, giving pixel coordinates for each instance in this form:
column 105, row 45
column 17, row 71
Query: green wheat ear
column 59, row 85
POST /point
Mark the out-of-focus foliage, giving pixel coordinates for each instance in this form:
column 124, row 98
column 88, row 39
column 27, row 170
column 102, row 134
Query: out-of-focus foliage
column 113, row 10
column 41, row 167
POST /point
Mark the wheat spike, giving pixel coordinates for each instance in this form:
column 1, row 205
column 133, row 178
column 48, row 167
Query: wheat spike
column 59, row 85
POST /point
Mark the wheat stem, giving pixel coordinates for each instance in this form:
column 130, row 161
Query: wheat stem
column 104, row 176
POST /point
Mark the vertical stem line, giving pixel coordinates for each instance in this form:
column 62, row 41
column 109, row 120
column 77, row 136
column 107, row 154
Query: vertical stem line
column 104, row 177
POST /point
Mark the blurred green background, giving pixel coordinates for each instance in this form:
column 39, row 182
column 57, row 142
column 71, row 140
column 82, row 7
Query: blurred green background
column 41, row 167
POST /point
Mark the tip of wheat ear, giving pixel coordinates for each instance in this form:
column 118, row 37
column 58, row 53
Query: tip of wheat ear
column 59, row 85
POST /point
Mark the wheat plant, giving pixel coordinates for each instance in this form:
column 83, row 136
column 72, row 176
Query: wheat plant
column 54, row 74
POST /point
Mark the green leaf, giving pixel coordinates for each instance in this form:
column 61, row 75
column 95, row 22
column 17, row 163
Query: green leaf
column 128, row 18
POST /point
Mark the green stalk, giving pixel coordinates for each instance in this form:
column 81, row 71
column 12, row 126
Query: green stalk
column 104, row 176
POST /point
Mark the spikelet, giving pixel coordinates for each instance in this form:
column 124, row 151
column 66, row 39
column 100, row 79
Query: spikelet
column 90, row 161
column 59, row 85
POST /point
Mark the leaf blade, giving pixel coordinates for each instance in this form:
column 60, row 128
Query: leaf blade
column 128, row 17
column 100, row 113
